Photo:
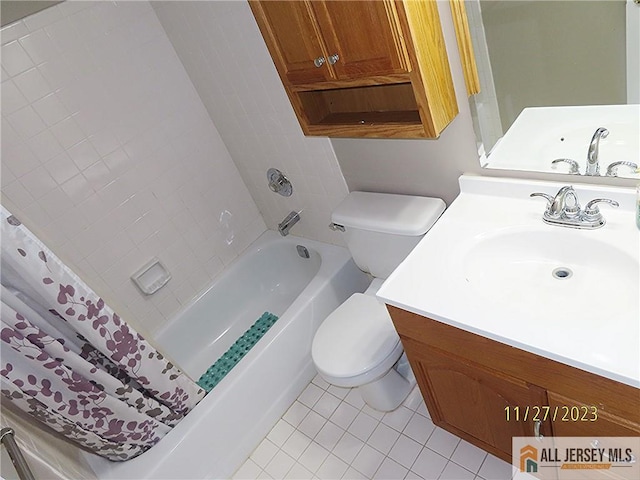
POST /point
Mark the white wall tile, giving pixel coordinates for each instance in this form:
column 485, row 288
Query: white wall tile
column 12, row 98
column 39, row 46
column 38, row 182
column 68, row 133
column 222, row 50
column 32, row 84
column 42, row 18
column 13, row 31
column 14, row 59
column 44, row 146
column 100, row 126
column 50, row 109
column 26, row 122
column 20, row 160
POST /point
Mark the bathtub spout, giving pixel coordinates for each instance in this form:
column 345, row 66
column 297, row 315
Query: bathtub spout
column 289, row 221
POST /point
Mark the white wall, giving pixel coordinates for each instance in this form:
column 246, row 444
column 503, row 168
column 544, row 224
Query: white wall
column 418, row 167
column 555, row 53
column 220, row 45
column 110, row 157
column 222, row 50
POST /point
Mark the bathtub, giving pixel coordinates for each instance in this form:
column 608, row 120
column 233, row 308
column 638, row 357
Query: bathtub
column 225, row 427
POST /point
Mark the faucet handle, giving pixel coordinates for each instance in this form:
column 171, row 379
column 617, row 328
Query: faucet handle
column 592, row 210
column 550, row 199
column 574, row 167
column 612, row 170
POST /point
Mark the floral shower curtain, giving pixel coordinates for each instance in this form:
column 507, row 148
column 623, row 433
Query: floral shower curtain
column 72, row 363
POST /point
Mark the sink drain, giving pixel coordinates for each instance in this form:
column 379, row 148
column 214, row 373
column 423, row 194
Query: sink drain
column 562, row 273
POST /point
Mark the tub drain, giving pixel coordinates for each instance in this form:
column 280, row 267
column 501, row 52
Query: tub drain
column 562, row 273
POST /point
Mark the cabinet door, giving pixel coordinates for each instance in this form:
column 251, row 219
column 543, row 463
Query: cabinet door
column 364, row 34
column 578, row 419
column 475, row 403
column 293, row 40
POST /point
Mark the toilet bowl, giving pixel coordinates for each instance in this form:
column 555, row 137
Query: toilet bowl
column 357, row 344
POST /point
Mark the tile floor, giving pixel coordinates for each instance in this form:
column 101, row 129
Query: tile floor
column 329, row 433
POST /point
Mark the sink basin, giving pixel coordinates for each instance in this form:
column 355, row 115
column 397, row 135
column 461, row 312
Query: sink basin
column 491, row 266
column 553, row 270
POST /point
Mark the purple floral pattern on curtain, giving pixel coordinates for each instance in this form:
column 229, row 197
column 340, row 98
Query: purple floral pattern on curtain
column 73, row 364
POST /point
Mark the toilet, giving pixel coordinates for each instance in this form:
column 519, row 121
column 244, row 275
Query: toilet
column 357, row 344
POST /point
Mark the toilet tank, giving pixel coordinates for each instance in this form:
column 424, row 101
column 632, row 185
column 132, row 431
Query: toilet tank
column 381, row 229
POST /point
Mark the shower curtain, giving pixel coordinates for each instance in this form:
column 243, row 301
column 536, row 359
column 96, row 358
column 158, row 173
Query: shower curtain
column 72, row 363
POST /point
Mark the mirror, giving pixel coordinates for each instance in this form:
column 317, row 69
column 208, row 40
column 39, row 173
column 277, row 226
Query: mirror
column 551, row 73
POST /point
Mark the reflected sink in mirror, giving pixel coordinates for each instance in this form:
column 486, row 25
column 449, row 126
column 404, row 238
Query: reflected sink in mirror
column 541, row 135
column 534, row 53
column 553, row 269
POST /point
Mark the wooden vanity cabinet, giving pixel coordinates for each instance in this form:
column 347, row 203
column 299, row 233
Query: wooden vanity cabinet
column 361, row 68
column 469, row 400
column 481, row 390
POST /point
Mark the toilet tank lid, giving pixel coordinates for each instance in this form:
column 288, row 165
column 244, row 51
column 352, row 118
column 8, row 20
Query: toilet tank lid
column 388, row 213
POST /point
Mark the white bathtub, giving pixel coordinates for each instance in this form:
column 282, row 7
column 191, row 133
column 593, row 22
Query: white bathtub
column 223, row 429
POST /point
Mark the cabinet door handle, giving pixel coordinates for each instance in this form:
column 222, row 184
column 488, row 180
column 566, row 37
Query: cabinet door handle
column 536, row 429
column 318, row 62
column 334, row 58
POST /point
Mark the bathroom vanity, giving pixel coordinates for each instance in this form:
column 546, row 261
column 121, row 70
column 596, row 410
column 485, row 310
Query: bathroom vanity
column 488, row 392
column 515, row 327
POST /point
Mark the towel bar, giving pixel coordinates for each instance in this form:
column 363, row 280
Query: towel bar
column 20, row 464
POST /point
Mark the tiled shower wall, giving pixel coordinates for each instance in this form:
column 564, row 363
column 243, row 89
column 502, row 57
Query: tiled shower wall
column 222, row 50
column 110, row 157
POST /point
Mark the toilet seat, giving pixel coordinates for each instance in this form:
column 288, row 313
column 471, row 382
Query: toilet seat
column 357, row 343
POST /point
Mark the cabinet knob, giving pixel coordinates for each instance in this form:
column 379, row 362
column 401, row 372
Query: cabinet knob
column 334, row 58
column 318, row 62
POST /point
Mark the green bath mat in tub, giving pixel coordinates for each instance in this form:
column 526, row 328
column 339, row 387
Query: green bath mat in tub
column 216, row 372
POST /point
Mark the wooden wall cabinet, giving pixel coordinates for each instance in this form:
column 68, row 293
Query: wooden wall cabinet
column 470, row 383
column 361, row 68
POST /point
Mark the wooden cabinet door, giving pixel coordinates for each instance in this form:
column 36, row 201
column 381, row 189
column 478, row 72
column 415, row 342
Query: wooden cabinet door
column 475, row 403
column 578, row 419
column 293, row 40
column 364, row 34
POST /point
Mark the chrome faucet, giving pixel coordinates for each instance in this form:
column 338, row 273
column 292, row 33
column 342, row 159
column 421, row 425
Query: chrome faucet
column 564, row 209
column 593, row 166
column 289, row 221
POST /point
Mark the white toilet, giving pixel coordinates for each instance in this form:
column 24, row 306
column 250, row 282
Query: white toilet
column 357, row 344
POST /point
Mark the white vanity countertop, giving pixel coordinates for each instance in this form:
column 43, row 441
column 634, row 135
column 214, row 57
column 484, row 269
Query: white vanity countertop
column 590, row 321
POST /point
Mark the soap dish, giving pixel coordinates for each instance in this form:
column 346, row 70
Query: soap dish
column 152, row 277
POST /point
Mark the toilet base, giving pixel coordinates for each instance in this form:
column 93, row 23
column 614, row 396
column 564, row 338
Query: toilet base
column 388, row 392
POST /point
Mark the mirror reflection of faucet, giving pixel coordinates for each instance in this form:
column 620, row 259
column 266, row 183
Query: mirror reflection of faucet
column 574, row 167
column 612, row 169
column 593, row 160
column 593, row 164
